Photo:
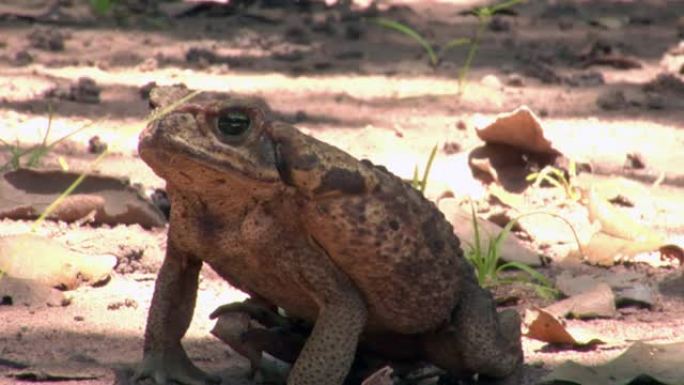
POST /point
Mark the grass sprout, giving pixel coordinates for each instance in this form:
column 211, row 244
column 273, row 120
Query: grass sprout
column 485, row 256
column 435, row 55
column 419, row 183
column 557, row 178
column 34, row 155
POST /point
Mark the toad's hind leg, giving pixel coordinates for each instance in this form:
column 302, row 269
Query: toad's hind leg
column 330, row 349
column 477, row 340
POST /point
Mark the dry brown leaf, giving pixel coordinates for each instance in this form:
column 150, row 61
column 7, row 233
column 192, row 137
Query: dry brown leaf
column 30, row 293
column 659, row 363
column 26, row 193
column 606, row 250
column 520, row 128
column 597, row 301
column 44, row 260
column 543, row 326
column 617, row 223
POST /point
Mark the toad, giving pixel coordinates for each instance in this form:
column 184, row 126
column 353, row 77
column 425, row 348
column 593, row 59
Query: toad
column 303, row 225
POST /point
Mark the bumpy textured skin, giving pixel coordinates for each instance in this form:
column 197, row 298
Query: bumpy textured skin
column 330, row 239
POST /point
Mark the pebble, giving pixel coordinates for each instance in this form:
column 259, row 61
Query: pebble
column 491, row 81
column 47, row 39
column 611, row 100
column 515, row 80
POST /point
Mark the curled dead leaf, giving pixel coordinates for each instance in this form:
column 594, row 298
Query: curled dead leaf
column 520, row 128
column 44, row 260
column 544, row 326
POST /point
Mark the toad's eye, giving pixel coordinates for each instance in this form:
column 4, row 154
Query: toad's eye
column 233, row 123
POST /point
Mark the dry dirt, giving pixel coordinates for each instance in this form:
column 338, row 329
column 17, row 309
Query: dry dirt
column 367, row 90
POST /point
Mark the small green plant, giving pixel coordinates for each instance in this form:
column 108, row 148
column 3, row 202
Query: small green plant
column 101, row 7
column 418, row 183
column 486, row 259
column 557, row 178
column 434, row 55
column 483, row 14
column 32, row 156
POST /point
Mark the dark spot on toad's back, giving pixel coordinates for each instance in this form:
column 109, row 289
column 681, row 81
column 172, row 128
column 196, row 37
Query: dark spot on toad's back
column 394, row 225
column 349, row 182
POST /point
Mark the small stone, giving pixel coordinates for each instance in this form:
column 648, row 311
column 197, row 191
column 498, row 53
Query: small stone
column 128, row 302
column 654, row 101
column 22, row 58
column 461, row 125
column 144, row 91
column 499, row 24
column 322, row 65
column 47, row 39
column 349, row 55
column 491, row 81
column 565, row 24
column 612, row 100
column 288, row 56
column 585, row 79
column 96, row 145
column 324, row 24
column 515, row 80
column 354, row 31
column 160, row 199
column 635, row 161
column 297, row 35
column 300, row 116
column 85, row 90
column 450, row 148
column 201, row 56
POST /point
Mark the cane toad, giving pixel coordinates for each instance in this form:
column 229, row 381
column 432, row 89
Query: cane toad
column 303, row 225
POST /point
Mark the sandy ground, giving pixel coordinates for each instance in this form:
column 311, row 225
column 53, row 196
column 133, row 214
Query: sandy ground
column 369, row 91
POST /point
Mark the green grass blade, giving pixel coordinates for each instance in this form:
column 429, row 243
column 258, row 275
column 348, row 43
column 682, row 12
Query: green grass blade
column 101, row 7
column 453, row 44
column 415, row 183
column 428, row 166
column 158, row 114
column 506, row 4
column 51, row 114
column 410, row 32
column 474, row 44
column 66, row 192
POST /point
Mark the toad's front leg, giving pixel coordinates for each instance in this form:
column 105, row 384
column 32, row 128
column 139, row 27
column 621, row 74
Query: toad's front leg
column 330, row 349
column 173, row 303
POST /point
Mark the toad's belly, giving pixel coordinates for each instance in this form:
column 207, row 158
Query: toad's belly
column 269, row 282
column 393, row 304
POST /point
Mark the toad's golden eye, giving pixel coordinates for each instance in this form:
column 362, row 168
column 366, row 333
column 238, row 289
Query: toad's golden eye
column 233, row 123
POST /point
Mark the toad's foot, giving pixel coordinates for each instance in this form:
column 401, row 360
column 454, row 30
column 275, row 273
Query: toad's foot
column 172, row 364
